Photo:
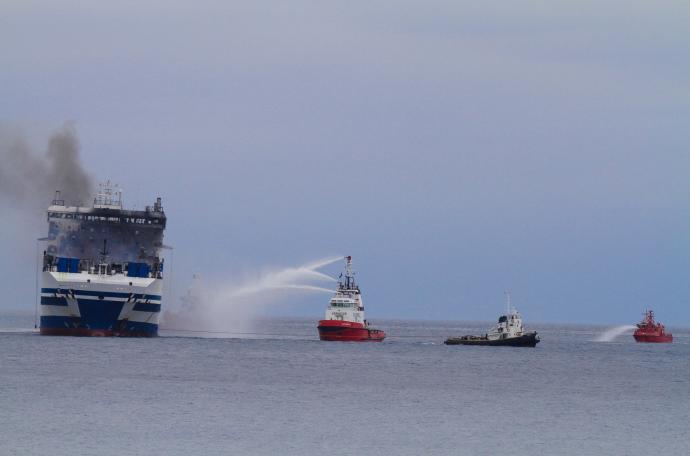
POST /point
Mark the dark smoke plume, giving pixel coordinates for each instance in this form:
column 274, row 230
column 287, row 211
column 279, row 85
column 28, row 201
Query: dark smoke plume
column 30, row 179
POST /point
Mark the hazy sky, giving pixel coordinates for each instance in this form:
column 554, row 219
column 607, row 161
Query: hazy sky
column 455, row 149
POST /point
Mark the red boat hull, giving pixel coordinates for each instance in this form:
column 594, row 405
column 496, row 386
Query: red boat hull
column 347, row 331
column 653, row 338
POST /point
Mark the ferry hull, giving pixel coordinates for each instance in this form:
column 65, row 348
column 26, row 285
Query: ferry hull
column 81, row 328
column 526, row 340
column 653, row 338
column 336, row 330
column 106, row 306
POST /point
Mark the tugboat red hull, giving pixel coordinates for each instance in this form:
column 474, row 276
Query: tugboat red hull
column 347, row 331
column 650, row 331
column 653, row 338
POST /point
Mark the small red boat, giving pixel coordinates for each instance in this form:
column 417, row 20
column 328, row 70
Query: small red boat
column 345, row 314
column 650, row 331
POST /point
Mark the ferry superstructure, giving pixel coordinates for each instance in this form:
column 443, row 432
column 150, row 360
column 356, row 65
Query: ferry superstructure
column 102, row 268
column 344, row 320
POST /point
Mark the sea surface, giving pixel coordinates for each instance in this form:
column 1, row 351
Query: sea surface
column 283, row 392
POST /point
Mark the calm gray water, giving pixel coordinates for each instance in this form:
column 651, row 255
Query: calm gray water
column 291, row 394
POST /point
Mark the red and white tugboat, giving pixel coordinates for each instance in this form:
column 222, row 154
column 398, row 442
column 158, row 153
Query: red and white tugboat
column 345, row 314
column 650, row 331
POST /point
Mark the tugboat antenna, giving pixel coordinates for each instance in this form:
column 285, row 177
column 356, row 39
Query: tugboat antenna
column 508, row 305
column 349, row 276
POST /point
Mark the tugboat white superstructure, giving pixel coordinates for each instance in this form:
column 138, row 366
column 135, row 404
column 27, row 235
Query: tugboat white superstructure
column 508, row 331
column 344, row 319
column 102, row 268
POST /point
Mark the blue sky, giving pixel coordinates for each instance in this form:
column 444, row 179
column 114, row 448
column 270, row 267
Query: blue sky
column 455, row 149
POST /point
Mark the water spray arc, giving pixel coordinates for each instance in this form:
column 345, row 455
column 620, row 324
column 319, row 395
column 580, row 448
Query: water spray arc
column 213, row 306
column 288, row 278
column 610, row 334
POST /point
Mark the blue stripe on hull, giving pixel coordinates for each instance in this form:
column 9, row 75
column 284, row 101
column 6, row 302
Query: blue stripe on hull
column 53, row 301
column 98, row 316
column 105, row 294
column 146, row 307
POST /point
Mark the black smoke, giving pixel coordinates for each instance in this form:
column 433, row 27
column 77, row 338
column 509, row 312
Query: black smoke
column 29, row 179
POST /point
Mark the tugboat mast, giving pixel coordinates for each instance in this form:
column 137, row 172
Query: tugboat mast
column 349, row 275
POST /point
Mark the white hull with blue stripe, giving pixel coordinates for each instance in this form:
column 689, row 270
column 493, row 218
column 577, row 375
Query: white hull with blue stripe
column 84, row 304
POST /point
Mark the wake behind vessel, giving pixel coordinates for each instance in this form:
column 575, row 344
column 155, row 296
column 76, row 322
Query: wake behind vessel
column 102, row 268
column 509, row 331
column 650, row 331
column 344, row 319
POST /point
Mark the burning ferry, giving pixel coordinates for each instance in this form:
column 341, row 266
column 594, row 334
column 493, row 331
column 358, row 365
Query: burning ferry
column 102, row 268
column 345, row 314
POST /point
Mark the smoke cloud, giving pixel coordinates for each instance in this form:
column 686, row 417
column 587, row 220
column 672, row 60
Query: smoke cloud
column 29, row 180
